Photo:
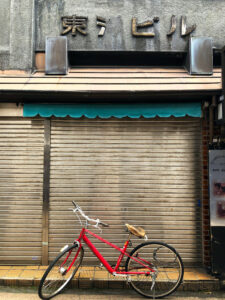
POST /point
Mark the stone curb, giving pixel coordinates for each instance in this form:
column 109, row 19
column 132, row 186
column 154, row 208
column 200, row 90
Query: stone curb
column 200, row 285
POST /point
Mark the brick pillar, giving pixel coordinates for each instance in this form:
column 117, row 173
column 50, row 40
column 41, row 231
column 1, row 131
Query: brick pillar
column 205, row 187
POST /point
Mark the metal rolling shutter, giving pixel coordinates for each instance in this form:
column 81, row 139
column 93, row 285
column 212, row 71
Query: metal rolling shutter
column 143, row 172
column 21, row 177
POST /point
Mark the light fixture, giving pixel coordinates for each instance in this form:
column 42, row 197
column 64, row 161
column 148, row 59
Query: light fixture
column 220, row 118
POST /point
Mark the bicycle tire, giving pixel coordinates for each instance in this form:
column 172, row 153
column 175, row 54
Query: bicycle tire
column 168, row 265
column 47, row 289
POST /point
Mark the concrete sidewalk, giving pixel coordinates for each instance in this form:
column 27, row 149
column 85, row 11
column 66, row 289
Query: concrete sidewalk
column 195, row 279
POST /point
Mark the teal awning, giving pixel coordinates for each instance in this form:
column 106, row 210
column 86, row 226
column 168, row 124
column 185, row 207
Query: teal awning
column 146, row 110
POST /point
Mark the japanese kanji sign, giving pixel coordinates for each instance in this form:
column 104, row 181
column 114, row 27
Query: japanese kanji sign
column 76, row 24
column 155, row 26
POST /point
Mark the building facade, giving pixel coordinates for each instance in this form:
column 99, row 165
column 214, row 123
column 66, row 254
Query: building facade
column 118, row 122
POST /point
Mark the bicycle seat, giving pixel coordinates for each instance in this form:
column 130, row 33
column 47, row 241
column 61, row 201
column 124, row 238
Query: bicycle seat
column 138, row 231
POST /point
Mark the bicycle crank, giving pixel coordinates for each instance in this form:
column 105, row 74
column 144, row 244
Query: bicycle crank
column 62, row 271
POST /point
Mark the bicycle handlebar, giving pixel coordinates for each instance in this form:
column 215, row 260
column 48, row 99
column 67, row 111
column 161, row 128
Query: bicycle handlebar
column 103, row 224
column 75, row 204
column 97, row 221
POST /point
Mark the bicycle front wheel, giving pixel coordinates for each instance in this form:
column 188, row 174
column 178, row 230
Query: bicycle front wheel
column 56, row 277
column 167, row 268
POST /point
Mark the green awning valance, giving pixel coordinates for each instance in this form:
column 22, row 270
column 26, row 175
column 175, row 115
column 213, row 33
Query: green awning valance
column 146, row 110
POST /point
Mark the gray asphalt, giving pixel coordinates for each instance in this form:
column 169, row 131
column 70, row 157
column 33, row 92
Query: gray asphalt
column 7, row 293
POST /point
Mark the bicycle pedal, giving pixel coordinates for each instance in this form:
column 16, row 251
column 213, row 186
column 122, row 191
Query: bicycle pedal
column 101, row 266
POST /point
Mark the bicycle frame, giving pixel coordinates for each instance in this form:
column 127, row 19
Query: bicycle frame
column 114, row 271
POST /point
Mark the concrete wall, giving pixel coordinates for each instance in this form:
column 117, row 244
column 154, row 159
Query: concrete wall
column 17, row 34
column 26, row 23
column 207, row 14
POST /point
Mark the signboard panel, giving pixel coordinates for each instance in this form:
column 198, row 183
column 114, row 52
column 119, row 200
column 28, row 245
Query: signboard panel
column 217, row 187
column 129, row 25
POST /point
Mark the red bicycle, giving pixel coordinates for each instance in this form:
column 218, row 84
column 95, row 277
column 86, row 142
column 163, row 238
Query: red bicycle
column 153, row 269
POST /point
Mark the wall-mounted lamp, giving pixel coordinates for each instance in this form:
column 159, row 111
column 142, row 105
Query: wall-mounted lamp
column 56, row 61
column 220, row 112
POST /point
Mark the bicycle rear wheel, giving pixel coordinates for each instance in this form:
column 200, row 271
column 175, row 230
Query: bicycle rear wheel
column 55, row 279
column 166, row 263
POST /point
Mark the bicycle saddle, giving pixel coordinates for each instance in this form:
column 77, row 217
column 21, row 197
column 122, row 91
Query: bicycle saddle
column 138, row 231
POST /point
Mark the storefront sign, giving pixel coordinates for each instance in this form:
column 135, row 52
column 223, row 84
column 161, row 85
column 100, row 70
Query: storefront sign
column 121, row 25
column 217, row 187
column 79, row 24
